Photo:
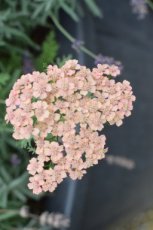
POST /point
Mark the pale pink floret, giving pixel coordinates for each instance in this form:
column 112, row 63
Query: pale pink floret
column 35, row 166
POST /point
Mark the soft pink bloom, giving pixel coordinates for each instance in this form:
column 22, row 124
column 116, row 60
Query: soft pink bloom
column 63, row 110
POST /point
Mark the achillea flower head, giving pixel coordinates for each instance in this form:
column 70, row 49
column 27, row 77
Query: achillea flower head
column 63, row 110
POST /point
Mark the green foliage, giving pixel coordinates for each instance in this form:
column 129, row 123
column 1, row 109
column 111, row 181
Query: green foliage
column 14, row 192
column 10, row 69
column 61, row 60
column 90, row 95
column 28, row 145
column 4, row 77
column 93, row 8
column 51, row 138
column 19, row 18
column 48, row 52
column 10, row 61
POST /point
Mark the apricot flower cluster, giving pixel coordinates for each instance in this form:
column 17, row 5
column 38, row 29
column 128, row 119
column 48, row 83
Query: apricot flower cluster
column 63, row 110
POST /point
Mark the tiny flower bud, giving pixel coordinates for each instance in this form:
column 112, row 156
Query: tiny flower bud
column 24, row 212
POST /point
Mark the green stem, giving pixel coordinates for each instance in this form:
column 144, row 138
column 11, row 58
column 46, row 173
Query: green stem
column 88, row 52
column 61, row 28
column 150, row 4
column 2, row 102
column 9, row 214
column 70, row 37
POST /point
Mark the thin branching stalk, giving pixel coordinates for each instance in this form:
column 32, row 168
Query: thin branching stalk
column 71, row 38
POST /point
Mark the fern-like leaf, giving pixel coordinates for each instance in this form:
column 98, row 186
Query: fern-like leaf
column 48, row 53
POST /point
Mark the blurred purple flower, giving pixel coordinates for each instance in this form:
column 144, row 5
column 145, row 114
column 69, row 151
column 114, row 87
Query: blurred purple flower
column 101, row 59
column 140, row 8
column 27, row 63
column 15, row 160
column 76, row 45
column 121, row 162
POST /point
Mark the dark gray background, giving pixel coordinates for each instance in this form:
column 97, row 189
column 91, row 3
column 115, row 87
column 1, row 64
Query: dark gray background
column 114, row 192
